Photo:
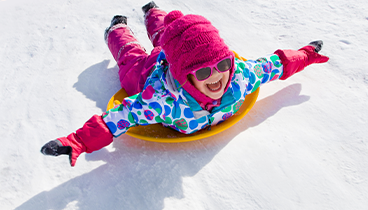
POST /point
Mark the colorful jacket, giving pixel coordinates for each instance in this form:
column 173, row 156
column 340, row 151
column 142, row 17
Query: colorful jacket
column 164, row 101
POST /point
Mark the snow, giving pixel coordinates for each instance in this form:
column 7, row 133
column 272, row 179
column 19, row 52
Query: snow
column 303, row 146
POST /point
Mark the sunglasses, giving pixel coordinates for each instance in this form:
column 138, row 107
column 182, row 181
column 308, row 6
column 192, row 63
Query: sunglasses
column 222, row 66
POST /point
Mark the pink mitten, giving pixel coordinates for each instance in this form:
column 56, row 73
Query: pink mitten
column 296, row 60
column 94, row 135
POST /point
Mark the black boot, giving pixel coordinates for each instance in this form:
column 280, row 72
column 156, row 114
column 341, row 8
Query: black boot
column 149, row 6
column 116, row 20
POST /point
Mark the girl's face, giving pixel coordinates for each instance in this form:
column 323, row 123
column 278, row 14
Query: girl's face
column 214, row 86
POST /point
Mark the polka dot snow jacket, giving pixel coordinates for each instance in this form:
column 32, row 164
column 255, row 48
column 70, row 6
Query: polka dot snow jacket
column 163, row 101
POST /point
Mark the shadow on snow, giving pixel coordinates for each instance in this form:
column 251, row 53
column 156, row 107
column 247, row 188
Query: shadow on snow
column 99, row 83
column 141, row 174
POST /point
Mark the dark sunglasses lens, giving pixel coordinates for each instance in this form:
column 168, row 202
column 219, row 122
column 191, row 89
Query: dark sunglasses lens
column 224, row 65
column 203, row 73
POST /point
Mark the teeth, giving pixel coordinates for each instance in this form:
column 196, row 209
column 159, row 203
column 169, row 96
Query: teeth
column 211, row 83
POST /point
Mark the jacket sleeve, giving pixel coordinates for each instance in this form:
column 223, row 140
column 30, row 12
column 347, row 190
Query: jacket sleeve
column 256, row 73
column 147, row 107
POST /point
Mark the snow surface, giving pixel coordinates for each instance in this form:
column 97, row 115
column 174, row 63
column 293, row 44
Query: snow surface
column 303, row 146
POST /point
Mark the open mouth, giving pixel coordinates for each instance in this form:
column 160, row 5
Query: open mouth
column 214, row 86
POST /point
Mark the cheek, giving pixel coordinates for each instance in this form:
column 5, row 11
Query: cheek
column 197, row 84
column 226, row 76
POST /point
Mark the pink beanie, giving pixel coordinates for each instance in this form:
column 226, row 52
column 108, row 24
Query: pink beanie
column 190, row 42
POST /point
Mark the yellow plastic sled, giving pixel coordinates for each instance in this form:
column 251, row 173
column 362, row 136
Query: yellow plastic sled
column 159, row 133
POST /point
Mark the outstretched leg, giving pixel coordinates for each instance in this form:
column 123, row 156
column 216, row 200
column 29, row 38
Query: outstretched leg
column 154, row 21
column 129, row 54
column 134, row 63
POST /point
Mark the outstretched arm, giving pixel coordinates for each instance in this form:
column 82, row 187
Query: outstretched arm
column 94, row 135
column 99, row 131
column 296, row 60
column 253, row 74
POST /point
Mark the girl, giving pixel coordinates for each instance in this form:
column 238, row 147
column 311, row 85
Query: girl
column 190, row 80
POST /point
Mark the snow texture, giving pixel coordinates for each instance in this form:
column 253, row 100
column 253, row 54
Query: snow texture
column 304, row 144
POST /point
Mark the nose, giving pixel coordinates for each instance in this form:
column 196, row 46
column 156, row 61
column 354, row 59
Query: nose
column 215, row 72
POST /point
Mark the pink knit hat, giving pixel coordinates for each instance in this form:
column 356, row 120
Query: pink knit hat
column 190, row 42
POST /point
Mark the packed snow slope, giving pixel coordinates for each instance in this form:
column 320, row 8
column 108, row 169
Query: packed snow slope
column 303, row 146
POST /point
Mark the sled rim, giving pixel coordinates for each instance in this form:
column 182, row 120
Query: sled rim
column 159, row 133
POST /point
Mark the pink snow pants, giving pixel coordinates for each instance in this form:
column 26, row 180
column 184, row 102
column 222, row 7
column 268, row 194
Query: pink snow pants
column 134, row 63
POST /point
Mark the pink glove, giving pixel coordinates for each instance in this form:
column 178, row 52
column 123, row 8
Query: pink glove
column 94, row 135
column 295, row 61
